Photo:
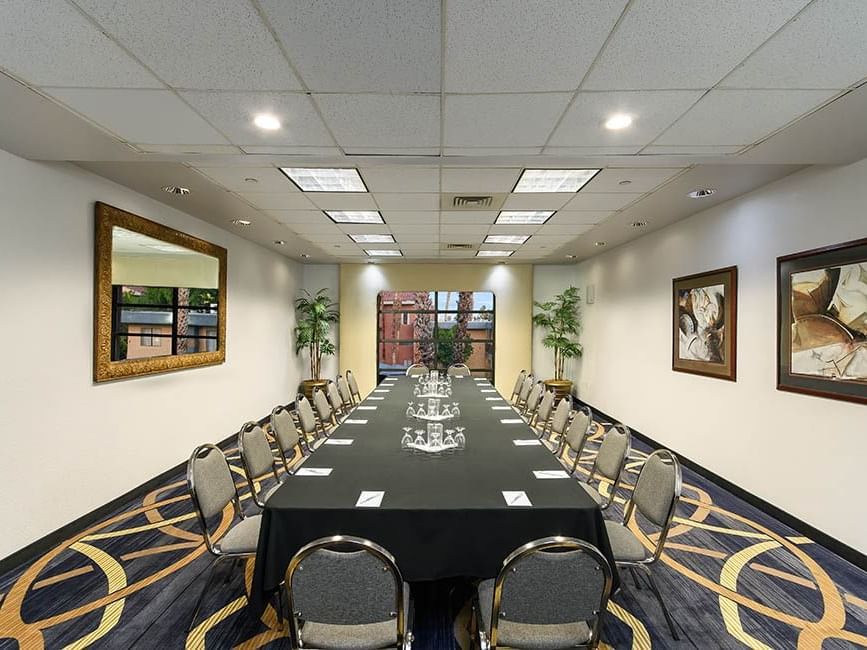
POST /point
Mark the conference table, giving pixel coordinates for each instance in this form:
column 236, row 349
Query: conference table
column 441, row 516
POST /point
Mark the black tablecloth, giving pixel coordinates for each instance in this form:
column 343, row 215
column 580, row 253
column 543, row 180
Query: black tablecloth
column 441, row 516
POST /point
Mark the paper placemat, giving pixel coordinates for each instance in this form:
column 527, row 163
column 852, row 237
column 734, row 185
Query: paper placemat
column 550, row 473
column 369, row 499
column 488, row 390
column 366, row 408
column 313, row 471
column 501, row 408
column 512, row 421
column 532, row 442
column 355, row 422
column 375, row 398
column 339, row 441
column 516, row 498
column 494, row 399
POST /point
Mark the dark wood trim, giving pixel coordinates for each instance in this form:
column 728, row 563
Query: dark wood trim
column 52, row 539
column 731, row 325
column 834, row 545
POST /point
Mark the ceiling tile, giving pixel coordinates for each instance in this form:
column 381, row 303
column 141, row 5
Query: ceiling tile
column 453, row 229
column 407, row 201
column 401, row 178
column 651, row 112
column 518, row 46
column 601, row 201
column 415, row 236
column 290, row 217
column 155, row 116
column 347, row 46
column 477, row 217
column 342, row 200
column 686, row 150
column 248, row 179
column 565, row 218
column 363, row 228
column 278, row 201
column 291, row 151
column 54, row 45
column 191, row 149
column 491, row 151
column 641, row 179
column 501, row 120
column 392, row 151
column 411, row 218
column 233, row 113
column 730, row 117
column 563, row 231
column 822, row 48
column 690, row 44
column 382, row 120
column 591, row 151
column 537, row 201
column 322, row 228
column 213, row 45
column 480, row 180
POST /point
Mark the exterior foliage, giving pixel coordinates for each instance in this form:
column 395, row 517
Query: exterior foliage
column 314, row 315
column 561, row 318
column 423, row 329
column 462, row 348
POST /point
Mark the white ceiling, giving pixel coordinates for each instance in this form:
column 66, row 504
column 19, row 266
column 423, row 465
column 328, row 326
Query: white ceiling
column 430, row 97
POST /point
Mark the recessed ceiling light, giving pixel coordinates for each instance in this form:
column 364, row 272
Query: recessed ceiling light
column 305, row 255
column 624, row 182
column 487, row 253
column 554, row 180
column 638, row 224
column 279, row 242
column 618, row 121
column 599, row 243
column 506, row 239
column 354, row 216
column 372, row 239
column 701, row 193
column 176, row 189
column 266, row 122
column 242, row 222
column 324, row 179
column 388, row 252
column 250, row 179
column 523, row 217
column 571, row 257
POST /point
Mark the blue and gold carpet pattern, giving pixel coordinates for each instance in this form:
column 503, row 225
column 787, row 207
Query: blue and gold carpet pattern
column 732, row 576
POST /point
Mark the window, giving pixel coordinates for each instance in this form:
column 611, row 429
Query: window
column 436, row 328
column 147, row 339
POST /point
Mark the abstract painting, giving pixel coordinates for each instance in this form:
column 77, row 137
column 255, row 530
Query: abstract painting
column 822, row 328
column 705, row 323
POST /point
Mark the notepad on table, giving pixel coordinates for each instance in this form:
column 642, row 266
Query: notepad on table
column 366, row 408
column 550, row 473
column 369, row 499
column 516, row 498
column 382, row 390
column 501, row 408
column 512, row 421
column 355, row 422
column 532, row 442
column 488, row 390
column 313, row 471
column 339, row 441
column 494, row 399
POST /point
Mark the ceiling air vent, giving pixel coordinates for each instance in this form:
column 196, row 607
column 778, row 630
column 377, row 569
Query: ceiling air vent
column 459, row 247
column 472, row 201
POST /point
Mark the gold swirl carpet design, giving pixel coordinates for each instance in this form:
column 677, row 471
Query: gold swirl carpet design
column 732, row 577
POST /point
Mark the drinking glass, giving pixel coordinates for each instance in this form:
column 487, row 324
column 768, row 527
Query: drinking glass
column 410, row 411
column 450, row 437
column 460, row 441
column 406, row 440
column 456, row 411
column 419, row 438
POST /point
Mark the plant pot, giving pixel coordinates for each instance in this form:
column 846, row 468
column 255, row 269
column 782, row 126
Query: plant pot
column 561, row 388
column 308, row 385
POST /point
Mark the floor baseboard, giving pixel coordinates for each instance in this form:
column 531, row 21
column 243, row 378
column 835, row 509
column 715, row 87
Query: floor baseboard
column 833, row 544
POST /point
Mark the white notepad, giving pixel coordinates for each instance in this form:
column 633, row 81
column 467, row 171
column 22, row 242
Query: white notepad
column 339, row 441
column 367, row 408
column 355, row 422
column 377, row 398
column 512, row 421
column 313, row 471
column 479, row 379
column 526, row 443
column 501, row 408
column 516, row 498
column 369, row 499
column 382, row 390
column 488, row 390
column 494, row 399
column 550, row 473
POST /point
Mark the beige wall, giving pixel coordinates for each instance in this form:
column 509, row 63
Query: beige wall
column 511, row 284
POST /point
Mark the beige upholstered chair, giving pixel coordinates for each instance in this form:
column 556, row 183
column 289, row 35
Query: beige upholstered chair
column 324, row 412
column 543, row 412
column 609, row 463
column 559, row 422
column 345, row 392
column 519, row 383
column 577, row 433
column 258, row 460
column 524, row 393
column 353, row 387
column 532, row 401
column 335, row 399
column 416, row 370
column 286, row 435
column 307, row 421
column 459, row 370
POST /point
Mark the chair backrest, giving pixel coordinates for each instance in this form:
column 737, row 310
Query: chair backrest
column 345, row 392
column 345, row 580
column 545, row 406
column 334, row 396
column 560, row 419
column 526, row 387
column 306, row 417
column 211, row 486
column 416, row 370
column 519, row 382
column 613, row 452
column 552, row 581
column 256, row 456
column 353, row 385
column 458, row 370
column 323, row 408
column 283, row 428
column 579, row 428
column 534, row 397
column 657, row 492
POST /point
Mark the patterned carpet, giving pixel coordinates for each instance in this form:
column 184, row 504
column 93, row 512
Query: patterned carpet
column 732, row 577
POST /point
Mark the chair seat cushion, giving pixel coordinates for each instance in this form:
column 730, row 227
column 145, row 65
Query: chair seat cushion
column 624, row 544
column 243, row 537
column 528, row 636
column 594, row 494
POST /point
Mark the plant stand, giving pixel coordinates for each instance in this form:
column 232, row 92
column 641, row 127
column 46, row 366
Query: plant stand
column 561, row 388
column 308, row 385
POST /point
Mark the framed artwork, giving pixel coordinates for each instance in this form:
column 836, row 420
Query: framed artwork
column 822, row 322
column 704, row 327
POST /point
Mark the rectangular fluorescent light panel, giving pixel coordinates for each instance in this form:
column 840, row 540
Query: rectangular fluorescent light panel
column 372, row 239
column 486, row 253
column 389, row 252
column 354, row 216
column 523, row 217
column 554, row 180
column 506, row 239
column 321, row 179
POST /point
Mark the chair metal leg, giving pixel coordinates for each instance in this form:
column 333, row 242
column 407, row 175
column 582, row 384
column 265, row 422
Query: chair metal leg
column 665, row 612
column 211, row 574
column 635, row 578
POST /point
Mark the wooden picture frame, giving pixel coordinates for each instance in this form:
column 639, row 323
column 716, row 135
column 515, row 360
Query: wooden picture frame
column 107, row 217
column 822, row 322
column 704, row 323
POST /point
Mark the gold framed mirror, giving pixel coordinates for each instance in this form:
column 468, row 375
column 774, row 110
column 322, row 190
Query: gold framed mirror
column 159, row 298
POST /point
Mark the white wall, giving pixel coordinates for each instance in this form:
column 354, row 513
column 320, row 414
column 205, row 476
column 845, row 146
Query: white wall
column 316, row 277
column 804, row 454
column 68, row 445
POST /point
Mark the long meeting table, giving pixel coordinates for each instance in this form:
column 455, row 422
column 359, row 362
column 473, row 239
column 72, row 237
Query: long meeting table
column 441, row 516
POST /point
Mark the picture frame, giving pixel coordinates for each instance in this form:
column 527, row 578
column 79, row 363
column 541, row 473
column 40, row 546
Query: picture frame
column 704, row 323
column 822, row 322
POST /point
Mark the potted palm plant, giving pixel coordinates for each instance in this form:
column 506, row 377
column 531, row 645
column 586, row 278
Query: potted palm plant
column 314, row 314
column 560, row 317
